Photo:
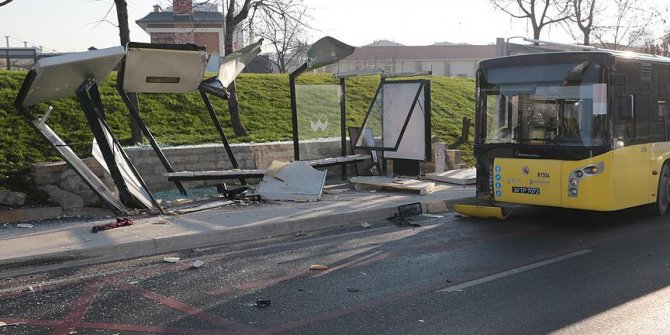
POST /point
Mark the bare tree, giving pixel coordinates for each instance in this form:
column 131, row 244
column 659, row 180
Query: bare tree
column 540, row 13
column 124, row 35
column 2, row 3
column 661, row 48
column 584, row 14
column 282, row 24
column 626, row 23
column 238, row 11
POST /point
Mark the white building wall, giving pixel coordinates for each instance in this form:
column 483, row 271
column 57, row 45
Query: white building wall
column 463, row 68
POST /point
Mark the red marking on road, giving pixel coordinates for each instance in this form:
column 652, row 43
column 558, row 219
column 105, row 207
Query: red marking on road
column 184, row 308
column 79, row 308
column 110, row 326
column 145, row 329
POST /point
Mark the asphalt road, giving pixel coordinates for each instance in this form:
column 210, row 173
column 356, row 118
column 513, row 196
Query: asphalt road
column 543, row 271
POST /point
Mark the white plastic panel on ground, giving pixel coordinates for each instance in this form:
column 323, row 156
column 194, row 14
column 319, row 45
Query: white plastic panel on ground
column 297, row 181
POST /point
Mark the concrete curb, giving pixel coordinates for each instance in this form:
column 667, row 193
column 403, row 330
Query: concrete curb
column 148, row 246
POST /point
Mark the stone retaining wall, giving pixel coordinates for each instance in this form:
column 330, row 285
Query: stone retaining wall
column 214, row 157
column 69, row 191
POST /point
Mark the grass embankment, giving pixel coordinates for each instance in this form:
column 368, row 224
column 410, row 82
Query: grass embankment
column 179, row 119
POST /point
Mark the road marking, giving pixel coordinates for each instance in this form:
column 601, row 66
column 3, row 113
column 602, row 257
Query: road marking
column 511, row 272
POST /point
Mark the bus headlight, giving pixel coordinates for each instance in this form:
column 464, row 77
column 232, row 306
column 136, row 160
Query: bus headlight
column 580, row 173
column 592, row 169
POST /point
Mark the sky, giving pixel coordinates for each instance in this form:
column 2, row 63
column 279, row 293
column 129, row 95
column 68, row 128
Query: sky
column 75, row 25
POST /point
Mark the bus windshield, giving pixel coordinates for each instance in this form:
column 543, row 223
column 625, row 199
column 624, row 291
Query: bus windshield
column 562, row 104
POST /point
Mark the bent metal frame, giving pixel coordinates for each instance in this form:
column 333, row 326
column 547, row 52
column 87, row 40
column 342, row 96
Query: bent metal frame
column 325, row 51
column 77, row 75
column 170, row 68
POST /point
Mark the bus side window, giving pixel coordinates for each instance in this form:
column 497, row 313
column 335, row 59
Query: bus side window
column 626, row 107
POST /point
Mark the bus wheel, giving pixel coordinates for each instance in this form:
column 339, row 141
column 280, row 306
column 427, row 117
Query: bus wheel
column 663, row 195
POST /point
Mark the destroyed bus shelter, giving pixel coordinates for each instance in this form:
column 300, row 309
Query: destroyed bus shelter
column 77, row 75
column 154, row 68
column 319, row 111
column 398, row 124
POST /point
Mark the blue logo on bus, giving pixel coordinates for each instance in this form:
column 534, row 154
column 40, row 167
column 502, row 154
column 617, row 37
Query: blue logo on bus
column 498, row 168
column 498, row 185
column 498, row 177
column 498, row 193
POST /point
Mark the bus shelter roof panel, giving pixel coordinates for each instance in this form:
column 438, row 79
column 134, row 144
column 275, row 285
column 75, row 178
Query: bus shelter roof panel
column 59, row 76
column 163, row 70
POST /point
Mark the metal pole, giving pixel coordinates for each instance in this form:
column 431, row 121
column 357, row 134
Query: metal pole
column 219, row 129
column 7, row 41
column 343, row 124
column 161, row 156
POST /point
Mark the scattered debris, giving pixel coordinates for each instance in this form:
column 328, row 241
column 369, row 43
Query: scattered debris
column 406, row 213
column 421, row 321
column 365, row 224
column 198, row 263
column 120, row 222
column 318, row 267
column 25, row 225
column 300, row 233
column 263, row 303
column 353, row 289
column 435, row 216
column 233, row 193
column 162, row 221
column 5, row 324
column 171, row 259
column 72, row 332
column 335, row 191
column 29, row 289
column 134, row 282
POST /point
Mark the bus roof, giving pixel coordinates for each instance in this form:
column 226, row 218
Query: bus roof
column 594, row 52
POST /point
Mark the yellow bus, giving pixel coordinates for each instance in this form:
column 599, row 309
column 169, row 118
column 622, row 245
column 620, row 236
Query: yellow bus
column 585, row 130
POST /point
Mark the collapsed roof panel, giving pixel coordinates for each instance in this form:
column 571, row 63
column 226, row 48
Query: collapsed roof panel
column 151, row 68
column 59, row 76
column 231, row 66
column 80, row 167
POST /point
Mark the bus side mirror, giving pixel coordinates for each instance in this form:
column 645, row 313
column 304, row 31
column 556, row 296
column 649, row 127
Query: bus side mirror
column 626, row 107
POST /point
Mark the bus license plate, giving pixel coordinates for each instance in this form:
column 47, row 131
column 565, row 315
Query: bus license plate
column 526, row 190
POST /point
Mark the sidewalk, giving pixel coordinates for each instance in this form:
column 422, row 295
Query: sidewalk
column 53, row 243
